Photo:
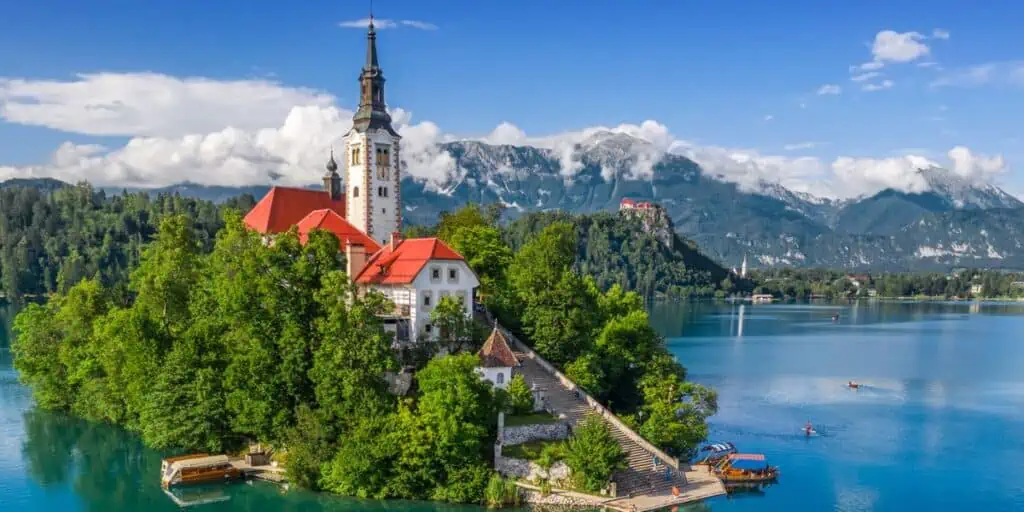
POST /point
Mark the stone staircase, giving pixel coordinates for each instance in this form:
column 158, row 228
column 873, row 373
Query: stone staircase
column 642, row 476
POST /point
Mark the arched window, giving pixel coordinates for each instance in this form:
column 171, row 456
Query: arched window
column 355, row 191
column 501, row 378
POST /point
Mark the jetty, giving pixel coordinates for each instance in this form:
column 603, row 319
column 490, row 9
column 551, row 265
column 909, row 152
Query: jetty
column 653, row 480
column 263, row 470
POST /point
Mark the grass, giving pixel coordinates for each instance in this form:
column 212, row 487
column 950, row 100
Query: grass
column 528, row 451
column 536, row 418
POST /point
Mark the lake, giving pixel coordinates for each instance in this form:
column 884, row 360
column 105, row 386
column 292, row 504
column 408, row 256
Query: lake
column 938, row 424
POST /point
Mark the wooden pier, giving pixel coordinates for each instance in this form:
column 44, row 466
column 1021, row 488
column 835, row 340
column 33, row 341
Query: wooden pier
column 268, row 472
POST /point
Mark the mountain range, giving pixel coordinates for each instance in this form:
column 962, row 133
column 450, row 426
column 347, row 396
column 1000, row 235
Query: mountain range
column 956, row 223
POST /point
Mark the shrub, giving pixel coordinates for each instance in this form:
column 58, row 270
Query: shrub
column 593, row 454
column 520, row 396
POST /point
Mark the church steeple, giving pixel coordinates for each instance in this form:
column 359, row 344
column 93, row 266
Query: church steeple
column 372, row 113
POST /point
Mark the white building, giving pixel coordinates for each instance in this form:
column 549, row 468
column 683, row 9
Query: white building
column 497, row 360
column 415, row 274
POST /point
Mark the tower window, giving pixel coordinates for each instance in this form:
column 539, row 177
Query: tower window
column 356, row 160
column 383, row 162
column 501, row 378
column 383, row 210
column 355, row 191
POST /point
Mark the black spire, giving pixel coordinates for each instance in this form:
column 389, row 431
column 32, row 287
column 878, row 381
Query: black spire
column 332, row 181
column 373, row 112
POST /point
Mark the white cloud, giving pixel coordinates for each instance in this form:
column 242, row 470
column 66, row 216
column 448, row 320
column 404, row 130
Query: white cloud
column 244, row 148
column 870, row 65
column 1007, row 74
column 150, row 104
column 829, row 89
column 940, row 34
column 769, row 117
column 892, row 46
column 383, row 24
column 928, row 64
column 881, row 86
column 865, row 76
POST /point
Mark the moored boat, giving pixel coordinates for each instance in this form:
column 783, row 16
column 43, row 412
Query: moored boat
column 745, row 468
column 197, row 468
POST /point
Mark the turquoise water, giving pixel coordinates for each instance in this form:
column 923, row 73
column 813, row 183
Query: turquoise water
column 938, row 424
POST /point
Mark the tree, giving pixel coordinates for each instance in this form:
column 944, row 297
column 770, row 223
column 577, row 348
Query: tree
column 486, row 253
column 593, row 454
column 520, row 396
column 456, row 330
column 310, row 444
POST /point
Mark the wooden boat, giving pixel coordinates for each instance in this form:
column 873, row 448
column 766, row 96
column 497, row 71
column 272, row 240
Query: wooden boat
column 853, row 385
column 745, row 468
column 197, row 468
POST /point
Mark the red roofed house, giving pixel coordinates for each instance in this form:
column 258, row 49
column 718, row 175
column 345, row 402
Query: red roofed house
column 366, row 217
column 415, row 274
column 497, row 360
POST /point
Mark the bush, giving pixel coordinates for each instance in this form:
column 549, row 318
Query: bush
column 593, row 454
column 520, row 396
column 501, row 492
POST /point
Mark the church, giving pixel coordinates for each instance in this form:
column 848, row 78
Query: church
column 366, row 215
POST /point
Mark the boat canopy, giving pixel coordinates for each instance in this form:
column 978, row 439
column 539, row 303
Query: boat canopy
column 747, row 460
column 199, row 462
column 719, row 447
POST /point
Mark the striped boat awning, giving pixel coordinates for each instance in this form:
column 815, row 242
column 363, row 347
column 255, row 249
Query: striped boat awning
column 720, row 447
column 746, row 456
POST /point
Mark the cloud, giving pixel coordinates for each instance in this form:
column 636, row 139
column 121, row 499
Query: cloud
column 1005, row 74
column 927, row 64
column 244, row 148
column 892, row 46
column 829, row 89
column 867, row 66
column 800, row 145
column 769, row 117
column 150, row 104
column 383, row 24
column 940, row 34
column 865, row 76
column 881, row 86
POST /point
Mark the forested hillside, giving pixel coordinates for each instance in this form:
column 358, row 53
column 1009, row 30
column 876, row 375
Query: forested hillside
column 53, row 236
column 616, row 249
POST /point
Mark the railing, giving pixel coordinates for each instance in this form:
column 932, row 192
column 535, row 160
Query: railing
column 605, row 413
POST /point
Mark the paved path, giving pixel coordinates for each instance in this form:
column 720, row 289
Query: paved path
column 643, row 484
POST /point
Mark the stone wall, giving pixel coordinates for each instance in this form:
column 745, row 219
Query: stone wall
column 529, row 470
column 511, row 436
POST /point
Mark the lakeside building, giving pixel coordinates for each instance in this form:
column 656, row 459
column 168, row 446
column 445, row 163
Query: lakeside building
column 497, row 360
column 365, row 213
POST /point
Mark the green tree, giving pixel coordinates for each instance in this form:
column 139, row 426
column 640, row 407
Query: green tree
column 486, row 253
column 593, row 454
column 456, row 330
column 520, row 396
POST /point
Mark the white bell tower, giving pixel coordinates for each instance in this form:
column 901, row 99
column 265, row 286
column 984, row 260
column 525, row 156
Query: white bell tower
column 373, row 202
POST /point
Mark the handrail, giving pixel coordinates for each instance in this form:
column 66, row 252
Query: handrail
column 605, row 413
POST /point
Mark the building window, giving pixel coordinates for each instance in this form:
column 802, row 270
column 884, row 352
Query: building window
column 426, row 299
column 383, row 210
column 462, row 297
column 356, row 156
column 355, row 191
column 385, row 191
column 453, row 275
column 383, row 162
column 427, row 328
column 501, row 378
column 435, row 274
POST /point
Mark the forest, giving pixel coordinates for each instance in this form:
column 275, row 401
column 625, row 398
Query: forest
column 54, row 236
column 835, row 284
column 210, row 339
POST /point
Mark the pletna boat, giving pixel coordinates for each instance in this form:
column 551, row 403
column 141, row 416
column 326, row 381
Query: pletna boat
column 745, row 468
column 197, row 468
column 853, row 385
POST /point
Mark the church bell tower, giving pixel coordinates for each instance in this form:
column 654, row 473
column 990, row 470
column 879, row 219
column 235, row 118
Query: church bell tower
column 372, row 200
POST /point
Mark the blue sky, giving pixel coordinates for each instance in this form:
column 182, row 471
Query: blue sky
column 726, row 74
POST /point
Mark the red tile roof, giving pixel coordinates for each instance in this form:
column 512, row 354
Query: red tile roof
column 627, row 201
column 403, row 264
column 496, row 353
column 329, row 220
column 284, row 207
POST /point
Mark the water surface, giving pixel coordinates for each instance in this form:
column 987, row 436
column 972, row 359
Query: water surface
column 937, row 425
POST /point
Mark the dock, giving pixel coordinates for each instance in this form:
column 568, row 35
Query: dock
column 268, row 472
